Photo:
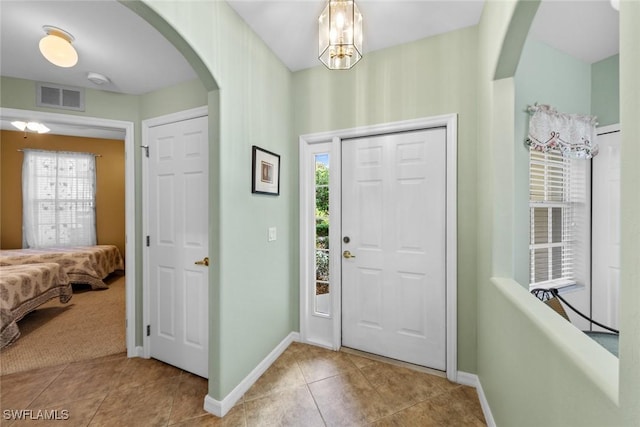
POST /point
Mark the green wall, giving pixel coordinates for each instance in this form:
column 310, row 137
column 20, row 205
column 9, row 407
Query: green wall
column 180, row 97
column 605, row 90
column 567, row 87
column 252, row 279
column 426, row 78
column 21, row 94
column 534, row 367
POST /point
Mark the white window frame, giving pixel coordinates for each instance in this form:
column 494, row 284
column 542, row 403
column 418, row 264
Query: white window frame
column 566, row 188
column 32, row 221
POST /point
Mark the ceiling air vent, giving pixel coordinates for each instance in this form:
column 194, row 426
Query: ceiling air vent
column 57, row 96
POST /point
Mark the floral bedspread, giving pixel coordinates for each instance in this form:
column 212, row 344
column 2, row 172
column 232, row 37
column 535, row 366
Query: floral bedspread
column 83, row 264
column 25, row 287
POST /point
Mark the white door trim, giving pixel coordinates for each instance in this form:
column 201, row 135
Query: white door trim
column 146, row 125
column 334, row 139
column 608, row 129
column 130, row 207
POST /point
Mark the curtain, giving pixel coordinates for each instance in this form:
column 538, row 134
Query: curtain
column 58, row 199
column 574, row 135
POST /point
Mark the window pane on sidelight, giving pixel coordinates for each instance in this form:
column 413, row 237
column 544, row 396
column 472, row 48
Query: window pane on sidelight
column 322, row 224
column 322, row 265
column 322, row 288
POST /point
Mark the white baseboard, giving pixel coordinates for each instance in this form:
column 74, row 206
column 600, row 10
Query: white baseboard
column 220, row 408
column 472, row 380
column 466, row 378
column 137, row 351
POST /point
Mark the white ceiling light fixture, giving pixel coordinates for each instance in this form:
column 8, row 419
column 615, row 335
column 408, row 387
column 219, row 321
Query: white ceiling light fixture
column 30, row 126
column 340, row 35
column 56, row 47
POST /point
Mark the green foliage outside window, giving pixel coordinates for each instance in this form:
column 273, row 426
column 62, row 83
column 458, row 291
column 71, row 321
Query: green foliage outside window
column 322, row 221
column 322, row 200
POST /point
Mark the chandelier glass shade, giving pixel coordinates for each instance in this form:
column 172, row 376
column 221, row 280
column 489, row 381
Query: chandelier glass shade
column 340, row 35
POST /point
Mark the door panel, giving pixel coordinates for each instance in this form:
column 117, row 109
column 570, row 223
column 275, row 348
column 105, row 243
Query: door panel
column 394, row 212
column 178, row 227
column 606, row 231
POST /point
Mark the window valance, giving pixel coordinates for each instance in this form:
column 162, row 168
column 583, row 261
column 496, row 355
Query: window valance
column 572, row 134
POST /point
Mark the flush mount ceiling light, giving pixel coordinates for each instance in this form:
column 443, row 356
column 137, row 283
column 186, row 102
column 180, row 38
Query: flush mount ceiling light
column 56, row 47
column 30, row 126
column 340, row 35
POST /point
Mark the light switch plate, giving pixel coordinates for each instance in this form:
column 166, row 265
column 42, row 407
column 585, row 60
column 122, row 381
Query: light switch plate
column 272, row 234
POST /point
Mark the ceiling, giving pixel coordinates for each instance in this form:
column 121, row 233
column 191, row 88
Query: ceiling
column 290, row 28
column 113, row 41
column 587, row 29
column 110, row 40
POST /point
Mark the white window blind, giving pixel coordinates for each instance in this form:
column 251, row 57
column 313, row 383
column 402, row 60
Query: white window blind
column 58, row 191
column 558, row 218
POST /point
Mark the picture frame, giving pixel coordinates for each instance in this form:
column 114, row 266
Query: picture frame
column 265, row 172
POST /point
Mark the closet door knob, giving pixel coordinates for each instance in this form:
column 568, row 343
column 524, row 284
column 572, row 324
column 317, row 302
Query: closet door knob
column 204, row 262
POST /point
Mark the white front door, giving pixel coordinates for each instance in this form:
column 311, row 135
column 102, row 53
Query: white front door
column 394, row 246
column 605, row 258
column 178, row 239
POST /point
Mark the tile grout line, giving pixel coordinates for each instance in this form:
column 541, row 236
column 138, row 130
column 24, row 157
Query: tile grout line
column 442, row 392
column 306, row 383
column 47, row 386
column 98, row 408
column 111, row 388
column 374, row 388
column 244, row 415
column 173, row 397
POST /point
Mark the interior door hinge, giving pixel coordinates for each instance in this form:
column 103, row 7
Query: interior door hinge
column 146, row 150
column 148, row 240
column 148, row 330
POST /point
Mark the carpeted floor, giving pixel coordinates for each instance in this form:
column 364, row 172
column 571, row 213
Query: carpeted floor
column 91, row 325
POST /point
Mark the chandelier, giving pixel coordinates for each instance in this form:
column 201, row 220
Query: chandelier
column 340, row 35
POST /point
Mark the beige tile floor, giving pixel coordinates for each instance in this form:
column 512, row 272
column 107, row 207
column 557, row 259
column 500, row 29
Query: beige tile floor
column 307, row 386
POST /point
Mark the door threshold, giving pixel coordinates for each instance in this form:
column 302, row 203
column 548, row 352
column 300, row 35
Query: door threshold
column 394, row 362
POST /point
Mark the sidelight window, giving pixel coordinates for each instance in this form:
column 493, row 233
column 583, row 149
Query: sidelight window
column 322, row 282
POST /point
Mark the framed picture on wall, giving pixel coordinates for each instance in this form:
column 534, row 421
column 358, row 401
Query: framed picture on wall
column 265, row 172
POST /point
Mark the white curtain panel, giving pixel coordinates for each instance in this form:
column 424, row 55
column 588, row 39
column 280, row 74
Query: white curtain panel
column 58, row 193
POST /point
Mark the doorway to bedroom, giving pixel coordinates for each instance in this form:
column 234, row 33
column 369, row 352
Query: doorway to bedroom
column 93, row 322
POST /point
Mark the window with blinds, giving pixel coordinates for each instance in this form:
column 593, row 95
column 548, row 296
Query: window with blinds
column 552, row 204
column 58, row 199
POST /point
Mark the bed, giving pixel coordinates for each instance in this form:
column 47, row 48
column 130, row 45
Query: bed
column 83, row 264
column 23, row 288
